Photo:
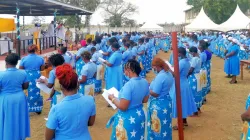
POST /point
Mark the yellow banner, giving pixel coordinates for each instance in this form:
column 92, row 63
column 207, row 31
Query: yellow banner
column 90, row 36
column 7, row 25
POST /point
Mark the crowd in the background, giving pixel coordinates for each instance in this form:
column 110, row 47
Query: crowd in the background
column 121, row 60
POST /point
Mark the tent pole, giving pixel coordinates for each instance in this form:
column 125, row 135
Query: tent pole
column 18, row 29
column 23, row 23
column 177, row 85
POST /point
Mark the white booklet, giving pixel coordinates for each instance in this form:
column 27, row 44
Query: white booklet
column 100, row 51
column 101, row 59
column 170, row 66
column 106, row 93
column 43, row 87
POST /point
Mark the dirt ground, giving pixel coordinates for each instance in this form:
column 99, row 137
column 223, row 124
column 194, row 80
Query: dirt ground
column 220, row 118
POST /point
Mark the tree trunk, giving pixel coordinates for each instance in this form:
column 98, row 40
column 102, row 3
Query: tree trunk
column 87, row 23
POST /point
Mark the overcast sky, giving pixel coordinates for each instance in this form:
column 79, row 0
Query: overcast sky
column 158, row 11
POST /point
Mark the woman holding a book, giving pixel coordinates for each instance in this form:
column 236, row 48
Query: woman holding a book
column 129, row 121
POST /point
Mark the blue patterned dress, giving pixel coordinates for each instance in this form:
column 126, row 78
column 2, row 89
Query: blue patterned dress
column 14, row 114
column 130, row 124
column 89, row 70
column 194, row 81
column 203, row 74
column 35, row 100
column 246, row 125
column 159, row 117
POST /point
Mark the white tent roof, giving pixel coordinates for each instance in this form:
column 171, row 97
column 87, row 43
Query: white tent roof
column 237, row 21
column 150, row 26
column 201, row 22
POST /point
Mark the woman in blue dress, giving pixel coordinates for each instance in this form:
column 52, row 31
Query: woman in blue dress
column 70, row 119
column 100, row 69
column 14, row 113
column 246, row 119
column 187, row 99
column 234, row 62
column 194, row 77
column 35, row 100
column 67, row 58
column 160, row 103
column 149, row 55
column 114, row 68
column 129, row 121
column 125, row 57
column 55, row 96
column 87, row 76
column 203, row 73
column 142, row 57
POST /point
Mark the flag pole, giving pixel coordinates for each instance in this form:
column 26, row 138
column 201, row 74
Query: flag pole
column 177, row 85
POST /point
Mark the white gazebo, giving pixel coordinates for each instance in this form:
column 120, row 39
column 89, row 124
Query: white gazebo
column 150, row 26
column 201, row 22
column 236, row 22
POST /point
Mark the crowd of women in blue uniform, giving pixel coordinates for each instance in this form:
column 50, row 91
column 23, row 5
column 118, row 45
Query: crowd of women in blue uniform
column 122, row 61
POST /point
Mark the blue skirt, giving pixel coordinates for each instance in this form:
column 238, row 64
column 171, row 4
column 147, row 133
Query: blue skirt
column 79, row 65
column 128, row 125
column 57, row 98
column 216, row 50
column 187, row 99
column 203, row 82
column 14, row 116
column 114, row 77
column 208, row 67
column 222, row 51
column 142, row 60
column 159, row 118
column 88, row 88
column 246, row 125
column 234, row 65
column 196, row 89
column 35, row 100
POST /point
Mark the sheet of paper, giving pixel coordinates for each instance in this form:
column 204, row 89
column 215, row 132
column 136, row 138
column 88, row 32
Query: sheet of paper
column 105, row 95
column 43, row 87
column 101, row 59
column 170, row 66
column 46, row 119
column 100, row 51
column 242, row 48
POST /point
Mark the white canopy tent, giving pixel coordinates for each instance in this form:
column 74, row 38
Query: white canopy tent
column 236, row 22
column 201, row 22
column 150, row 26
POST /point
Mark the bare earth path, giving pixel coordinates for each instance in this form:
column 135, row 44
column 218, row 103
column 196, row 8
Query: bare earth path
column 220, row 118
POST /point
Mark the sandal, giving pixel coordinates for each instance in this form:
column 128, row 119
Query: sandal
column 231, row 82
column 176, row 127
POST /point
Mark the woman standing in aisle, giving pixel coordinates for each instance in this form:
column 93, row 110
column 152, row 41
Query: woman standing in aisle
column 14, row 113
column 160, row 102
column 35, row 100
column 70, row 119
column 114, row 68
column 194, row 77
column 88, row 74
column 129, row 121
column 203, row 73
column 234, row 61
column 54, row 60
column 125, row 57
column 141, row 57
column 187, row 99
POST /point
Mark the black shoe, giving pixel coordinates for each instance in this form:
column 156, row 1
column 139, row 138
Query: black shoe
column 39, row 113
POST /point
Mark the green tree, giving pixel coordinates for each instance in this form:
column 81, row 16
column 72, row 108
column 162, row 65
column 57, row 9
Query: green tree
column 219, row 10
column 90, row 5
column 117, row 12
